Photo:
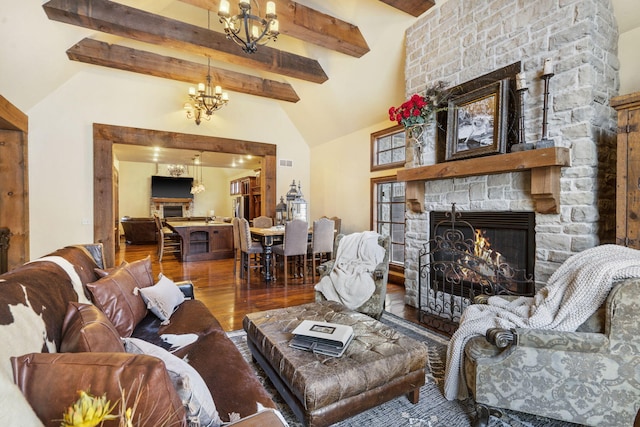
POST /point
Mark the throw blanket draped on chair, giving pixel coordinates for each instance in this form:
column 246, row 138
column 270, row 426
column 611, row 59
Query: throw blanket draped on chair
column 573, row 293
column 350, row 281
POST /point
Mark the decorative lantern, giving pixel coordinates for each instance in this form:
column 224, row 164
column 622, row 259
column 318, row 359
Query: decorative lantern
column 298, row 208
column 281, row 212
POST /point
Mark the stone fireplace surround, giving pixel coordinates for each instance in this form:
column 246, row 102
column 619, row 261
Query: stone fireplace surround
column 462, row 40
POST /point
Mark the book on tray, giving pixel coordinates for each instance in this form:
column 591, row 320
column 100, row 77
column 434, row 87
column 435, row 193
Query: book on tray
column 331, row 339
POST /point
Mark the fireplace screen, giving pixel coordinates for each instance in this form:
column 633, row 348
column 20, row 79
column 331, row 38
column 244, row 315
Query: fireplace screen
column 471, row 254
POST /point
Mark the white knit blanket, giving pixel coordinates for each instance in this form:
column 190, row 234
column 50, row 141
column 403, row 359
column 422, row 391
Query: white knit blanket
column 572, row 294
column 350, row 281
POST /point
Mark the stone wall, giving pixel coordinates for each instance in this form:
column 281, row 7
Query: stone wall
column 462, row 40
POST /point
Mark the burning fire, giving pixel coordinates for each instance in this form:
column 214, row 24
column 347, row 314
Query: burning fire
column 490, row 260
column 482, row 249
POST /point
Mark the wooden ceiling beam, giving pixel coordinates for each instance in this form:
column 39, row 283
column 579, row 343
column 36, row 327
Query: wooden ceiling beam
column 412, row 7
column 307, row 24
column 114, row 18
column 139, row 61
column 11, row 118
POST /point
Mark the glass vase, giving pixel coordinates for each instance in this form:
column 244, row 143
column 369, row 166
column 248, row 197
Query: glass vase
column 421, row 144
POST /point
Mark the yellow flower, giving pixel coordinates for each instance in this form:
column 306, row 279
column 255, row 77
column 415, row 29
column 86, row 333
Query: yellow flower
column 88, row 411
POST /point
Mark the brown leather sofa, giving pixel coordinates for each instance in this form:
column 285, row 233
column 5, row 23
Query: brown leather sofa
column 60, row 343
column 139, row 231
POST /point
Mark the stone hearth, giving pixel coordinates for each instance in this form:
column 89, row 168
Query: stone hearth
column 463, row 40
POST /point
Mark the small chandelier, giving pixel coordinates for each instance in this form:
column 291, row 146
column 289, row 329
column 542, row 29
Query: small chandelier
column 205, row 100
column 176, row 170
column 246, row 29
column 198, row 184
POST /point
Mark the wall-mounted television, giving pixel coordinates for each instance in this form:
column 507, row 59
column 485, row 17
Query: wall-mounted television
column 170, row 187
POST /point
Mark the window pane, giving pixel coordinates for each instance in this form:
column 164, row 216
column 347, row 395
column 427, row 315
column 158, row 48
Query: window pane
column 397, row 233
column 384, row 143
column 397, row 254
column 398, row 191
column 384, row 193
column 397, row 212
column 384, row 228
column 385, row 157
column 398, row 140
column 384, row 213
column 397, row 156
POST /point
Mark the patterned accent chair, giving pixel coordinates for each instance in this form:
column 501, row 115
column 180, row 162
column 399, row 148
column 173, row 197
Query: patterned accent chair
column 373, row 307
column 589, row 376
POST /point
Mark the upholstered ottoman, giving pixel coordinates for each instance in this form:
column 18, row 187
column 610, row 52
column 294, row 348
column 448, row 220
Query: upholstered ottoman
column 379, row 364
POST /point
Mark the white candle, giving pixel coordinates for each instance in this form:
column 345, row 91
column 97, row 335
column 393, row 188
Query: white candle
column 224, row 8
column 200, row 87
column 225, row 96
column 192, row 90
column 548, row 67
column 218, row 90
column 255, row 32
column 244, row 4
column 271, row 8
column 521, row 82
column 274, row 26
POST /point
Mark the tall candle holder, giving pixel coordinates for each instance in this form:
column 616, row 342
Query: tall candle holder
column 547, row 73
column 521, row 89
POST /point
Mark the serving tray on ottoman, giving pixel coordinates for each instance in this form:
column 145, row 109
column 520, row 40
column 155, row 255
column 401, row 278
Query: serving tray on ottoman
column 380, row 364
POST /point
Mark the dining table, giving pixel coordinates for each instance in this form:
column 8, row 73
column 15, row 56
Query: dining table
column 267, row 237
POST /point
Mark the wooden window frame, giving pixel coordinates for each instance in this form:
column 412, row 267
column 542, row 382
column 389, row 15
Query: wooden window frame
column 374, row 152
column 396, row 268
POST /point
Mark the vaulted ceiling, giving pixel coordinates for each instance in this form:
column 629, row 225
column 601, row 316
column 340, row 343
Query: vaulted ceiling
column 318, row 43
column 335, row 68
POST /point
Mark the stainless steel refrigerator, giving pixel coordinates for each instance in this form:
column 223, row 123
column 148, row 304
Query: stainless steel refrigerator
column 241, row 207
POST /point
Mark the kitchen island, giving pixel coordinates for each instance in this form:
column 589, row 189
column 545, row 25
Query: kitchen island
column 202, row 240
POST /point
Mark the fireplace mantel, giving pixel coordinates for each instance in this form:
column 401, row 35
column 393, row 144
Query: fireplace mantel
column 544, row 165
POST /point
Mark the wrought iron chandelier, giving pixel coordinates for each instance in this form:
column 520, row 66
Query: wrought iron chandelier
column 246, row 29
column 206, row 99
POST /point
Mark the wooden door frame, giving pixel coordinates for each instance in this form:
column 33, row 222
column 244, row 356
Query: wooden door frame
column 14, row 181
column 104, row 136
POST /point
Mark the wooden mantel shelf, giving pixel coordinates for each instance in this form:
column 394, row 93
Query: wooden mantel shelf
column 544, row 165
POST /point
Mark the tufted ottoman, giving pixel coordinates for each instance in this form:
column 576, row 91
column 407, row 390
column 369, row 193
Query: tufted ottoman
column 379, row 364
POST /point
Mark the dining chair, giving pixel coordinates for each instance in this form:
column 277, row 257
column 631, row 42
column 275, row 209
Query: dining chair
column 235, row 223
column 296, row 237
column 168, row 240
column 249, row 250
column 321, row 246
column 337, row 227
column 262, row 222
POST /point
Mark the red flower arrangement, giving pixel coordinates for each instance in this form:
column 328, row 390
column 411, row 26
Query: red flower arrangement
column 419, row 109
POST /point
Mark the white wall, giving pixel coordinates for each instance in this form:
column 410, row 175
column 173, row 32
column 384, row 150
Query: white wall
column 629, row 61
column 341, row 175
column 61, row 141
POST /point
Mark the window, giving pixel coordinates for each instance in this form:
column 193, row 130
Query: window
column 388, row 218
column 387, row 148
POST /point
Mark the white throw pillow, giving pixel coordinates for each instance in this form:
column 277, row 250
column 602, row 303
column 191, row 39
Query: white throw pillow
column 191, row 388
column 162, row 298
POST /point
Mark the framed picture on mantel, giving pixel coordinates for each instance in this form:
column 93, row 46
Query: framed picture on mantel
column 477, row 122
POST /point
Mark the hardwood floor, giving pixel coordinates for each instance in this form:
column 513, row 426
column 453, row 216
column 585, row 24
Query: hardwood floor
column 229, row 298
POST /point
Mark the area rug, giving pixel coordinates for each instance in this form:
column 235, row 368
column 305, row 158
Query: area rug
column 433, row 410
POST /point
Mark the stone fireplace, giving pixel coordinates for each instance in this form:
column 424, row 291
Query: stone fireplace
column 572, row 195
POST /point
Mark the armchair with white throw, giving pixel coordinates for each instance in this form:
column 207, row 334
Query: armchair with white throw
column 570, row 353
column 358, row 276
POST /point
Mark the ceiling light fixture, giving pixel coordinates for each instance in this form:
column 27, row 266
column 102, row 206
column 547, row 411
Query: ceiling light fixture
column 198, row 184
column 246, row 29
column 176, row 170
column 205, row 100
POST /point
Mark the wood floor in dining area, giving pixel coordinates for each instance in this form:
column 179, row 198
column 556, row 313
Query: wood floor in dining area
column 229, row 298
